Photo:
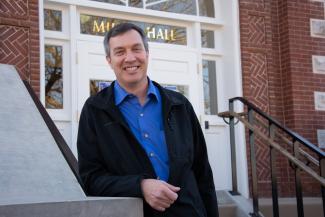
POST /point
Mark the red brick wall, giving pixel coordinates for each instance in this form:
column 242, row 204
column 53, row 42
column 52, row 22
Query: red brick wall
column 19, row 38
column 277, row 54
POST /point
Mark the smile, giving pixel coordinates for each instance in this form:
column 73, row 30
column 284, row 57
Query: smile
column 131, row 68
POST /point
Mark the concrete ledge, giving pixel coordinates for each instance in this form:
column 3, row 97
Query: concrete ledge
column 94, row 207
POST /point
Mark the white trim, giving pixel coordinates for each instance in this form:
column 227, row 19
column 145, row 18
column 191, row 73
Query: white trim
column 141, row 11
column 41, row 44
column 64, row 34
column 74, row 76
column 241, row 156
column 62, row 114
column 211, row 52
column 311, row 28
column 154, row 3
column 117, row 15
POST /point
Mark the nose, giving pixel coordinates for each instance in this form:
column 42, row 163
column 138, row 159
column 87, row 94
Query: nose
column 130, row 56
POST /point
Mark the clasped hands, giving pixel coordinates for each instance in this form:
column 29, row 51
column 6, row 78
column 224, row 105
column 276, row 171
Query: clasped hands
column 159, row 194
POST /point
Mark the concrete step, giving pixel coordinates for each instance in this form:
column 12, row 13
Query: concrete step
column 288, row 207
column 229, row 207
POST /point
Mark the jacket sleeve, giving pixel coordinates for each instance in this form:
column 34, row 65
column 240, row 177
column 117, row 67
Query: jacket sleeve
column 97, row 180
column 202, row 169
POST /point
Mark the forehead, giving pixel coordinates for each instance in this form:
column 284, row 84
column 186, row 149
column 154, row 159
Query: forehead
column 129, row 38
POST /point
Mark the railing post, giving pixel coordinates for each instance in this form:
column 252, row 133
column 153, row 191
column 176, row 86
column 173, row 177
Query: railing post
column 322, row 173
column 233, row 150
column 273, row 173
column 253, row 164
column 300, row 205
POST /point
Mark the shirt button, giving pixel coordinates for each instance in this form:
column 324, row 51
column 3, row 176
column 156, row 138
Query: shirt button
column 141, row 114
column 146, row 135
column 151, row 154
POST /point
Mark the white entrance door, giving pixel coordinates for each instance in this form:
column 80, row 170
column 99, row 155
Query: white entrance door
column 175, row 69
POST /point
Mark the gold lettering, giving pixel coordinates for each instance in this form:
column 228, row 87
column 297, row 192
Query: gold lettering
column 152, row 33
column 172, row 35
column 108, row 26
column 99, row 28
column 166, row 35
column 160, row 34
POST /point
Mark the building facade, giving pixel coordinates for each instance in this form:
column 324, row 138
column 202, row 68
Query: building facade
column 271, row 52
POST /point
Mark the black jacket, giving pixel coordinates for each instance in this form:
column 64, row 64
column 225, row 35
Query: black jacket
column 113, row 163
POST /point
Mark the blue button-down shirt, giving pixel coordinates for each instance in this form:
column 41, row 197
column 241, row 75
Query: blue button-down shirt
column 146, row 124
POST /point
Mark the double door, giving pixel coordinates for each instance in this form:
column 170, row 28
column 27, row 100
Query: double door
column 176, row 69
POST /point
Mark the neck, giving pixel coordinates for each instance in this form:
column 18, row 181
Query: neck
column 139, row 90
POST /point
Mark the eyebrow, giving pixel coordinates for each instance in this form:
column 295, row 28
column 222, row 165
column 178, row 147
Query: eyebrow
column 134, row 45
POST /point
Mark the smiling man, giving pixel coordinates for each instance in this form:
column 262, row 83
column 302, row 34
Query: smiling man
column 137, row 139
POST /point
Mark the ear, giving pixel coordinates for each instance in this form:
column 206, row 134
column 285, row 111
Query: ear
column 109, row 61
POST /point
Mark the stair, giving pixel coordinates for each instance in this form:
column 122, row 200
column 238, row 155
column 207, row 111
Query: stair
column 239, row 206
column 35, row 178
column 233, row 206
column 288, row 207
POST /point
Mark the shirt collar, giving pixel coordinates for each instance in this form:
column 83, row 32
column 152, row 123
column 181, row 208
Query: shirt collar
column 120, row 93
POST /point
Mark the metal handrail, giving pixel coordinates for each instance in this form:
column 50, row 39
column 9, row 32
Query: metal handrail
column 250, row 122
column 283, row 151
column 287, row 141
column 297, row 137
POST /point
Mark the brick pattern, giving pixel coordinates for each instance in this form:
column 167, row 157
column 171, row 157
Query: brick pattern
column 258, row 88
column 256, row 60
column 277, row 76
column 14, row 47
column 19, row 38
column 256, row 30
column 17, row 8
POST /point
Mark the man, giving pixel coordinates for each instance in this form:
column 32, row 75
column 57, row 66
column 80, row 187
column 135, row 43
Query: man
column 137, row 139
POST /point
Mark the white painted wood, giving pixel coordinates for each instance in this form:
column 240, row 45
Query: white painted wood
column 64, row 113
column 74, row 77
column 42, row 58
column 139, row 11
column 169, row 64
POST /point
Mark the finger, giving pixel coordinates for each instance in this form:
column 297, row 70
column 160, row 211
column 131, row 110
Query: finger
column 161, row 209
column 161, row 206
column 170, row 194
column 172, row 187
column 164, row 199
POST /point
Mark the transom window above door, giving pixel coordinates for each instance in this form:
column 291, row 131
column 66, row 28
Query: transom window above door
column 191, row 7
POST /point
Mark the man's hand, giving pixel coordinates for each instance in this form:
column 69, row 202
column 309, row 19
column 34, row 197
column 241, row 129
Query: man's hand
column 159, row 194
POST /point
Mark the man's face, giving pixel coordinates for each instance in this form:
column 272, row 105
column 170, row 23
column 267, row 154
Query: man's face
column 128, row 59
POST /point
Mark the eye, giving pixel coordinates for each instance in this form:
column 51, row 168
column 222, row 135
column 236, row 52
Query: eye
column 118, row 52
column 137, row 49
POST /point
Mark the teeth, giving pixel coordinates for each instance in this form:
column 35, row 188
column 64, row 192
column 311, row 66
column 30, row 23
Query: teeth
column 131, row 68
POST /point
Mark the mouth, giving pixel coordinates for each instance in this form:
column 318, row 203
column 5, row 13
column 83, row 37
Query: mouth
column 131, row 68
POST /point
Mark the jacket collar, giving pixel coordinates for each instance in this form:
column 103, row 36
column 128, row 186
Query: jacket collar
column 105, row 100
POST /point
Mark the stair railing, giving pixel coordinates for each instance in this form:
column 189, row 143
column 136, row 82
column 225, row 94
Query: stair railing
column 263, row 126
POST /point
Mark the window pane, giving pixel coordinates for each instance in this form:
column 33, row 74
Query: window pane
column 98, row 85
column 52, row 20
column 207, row 38
column 95, row 25
column 183, row 89
column 136, row 3
column 206, row 8
column 210, row 87
column 175, row 6
column 116, row 2
column 53, row 77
